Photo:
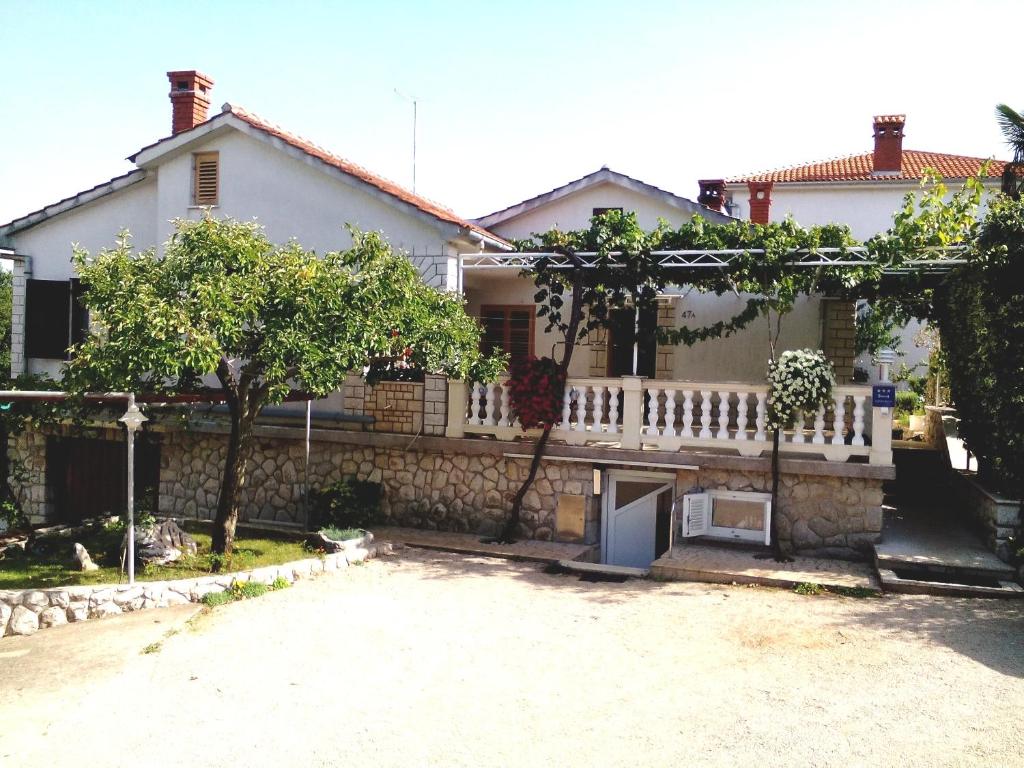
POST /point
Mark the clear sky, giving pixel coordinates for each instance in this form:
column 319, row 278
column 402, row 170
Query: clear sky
column 515, row 97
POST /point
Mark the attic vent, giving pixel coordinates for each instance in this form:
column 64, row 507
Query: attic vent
column 206, row 178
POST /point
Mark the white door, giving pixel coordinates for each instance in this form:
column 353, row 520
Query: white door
column 630, row 521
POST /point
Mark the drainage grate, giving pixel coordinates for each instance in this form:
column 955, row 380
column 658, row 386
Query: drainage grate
column 920, row 574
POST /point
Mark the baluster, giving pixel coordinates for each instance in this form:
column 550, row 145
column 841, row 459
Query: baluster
column 819, row 426
column 798, row 428
column 741, row 416
column 838, row 419
column 503, row 421
column 670, row 413
column 723, row 416
column 762, row 416
column 613, row 410
column 705, row 414
column 687, row 413
column 474, row 404
column 652, row 411
column 598, row 413
column 566, row 400
column 858, row 420
column 489, row 407
column 581, row 408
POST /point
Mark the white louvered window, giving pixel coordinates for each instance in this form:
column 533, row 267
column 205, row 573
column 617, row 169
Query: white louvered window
column 205, row 178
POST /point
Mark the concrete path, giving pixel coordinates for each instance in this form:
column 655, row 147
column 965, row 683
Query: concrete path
column 726, row 565
column 433, row 659
column 932, row 536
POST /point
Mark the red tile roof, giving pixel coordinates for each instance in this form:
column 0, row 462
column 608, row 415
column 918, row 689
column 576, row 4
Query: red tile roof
column 385, row 185
column 858, row 168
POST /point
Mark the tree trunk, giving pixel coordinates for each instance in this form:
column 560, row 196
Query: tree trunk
column 231, row 483
column 780, row 555
column 511, row 530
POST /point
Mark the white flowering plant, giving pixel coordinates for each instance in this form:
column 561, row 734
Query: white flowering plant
column 800, row 381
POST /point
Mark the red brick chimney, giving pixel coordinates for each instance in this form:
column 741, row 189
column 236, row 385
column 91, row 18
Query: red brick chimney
column 888, row 158
column 760, row 200
column 712, row 193
column 190, row 99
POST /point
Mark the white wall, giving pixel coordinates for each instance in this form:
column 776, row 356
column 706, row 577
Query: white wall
column 867, row 208
column 290, row 197
column 574, row 211
column 94, row 226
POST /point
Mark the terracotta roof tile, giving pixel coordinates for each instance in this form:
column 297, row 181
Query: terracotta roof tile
column 859, row 167
column 385, row 185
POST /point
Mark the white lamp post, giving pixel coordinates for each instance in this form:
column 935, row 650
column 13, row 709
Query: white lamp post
column 132, row 421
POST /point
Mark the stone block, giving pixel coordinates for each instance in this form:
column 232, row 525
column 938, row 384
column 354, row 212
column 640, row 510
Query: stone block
column 23, row 621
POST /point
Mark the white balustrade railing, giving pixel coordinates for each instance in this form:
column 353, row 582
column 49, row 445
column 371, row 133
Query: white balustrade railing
column 670, row 415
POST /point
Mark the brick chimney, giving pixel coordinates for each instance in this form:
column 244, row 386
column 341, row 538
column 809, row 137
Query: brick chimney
column 760, row 201
column 888, row 158
column 712, row 193
column 190, row 99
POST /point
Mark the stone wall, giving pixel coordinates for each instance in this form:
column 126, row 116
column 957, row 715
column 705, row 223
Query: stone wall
column 838, row 342
column 24, row 612
column 995, row 517
column 28, row 481
column 827, row 515
column 423, row 489
column 404, row 407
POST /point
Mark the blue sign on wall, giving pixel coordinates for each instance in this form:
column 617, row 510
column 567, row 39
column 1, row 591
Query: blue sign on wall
column 883, row 396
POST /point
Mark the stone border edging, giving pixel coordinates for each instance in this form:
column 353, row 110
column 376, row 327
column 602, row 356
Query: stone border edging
column 25, row 611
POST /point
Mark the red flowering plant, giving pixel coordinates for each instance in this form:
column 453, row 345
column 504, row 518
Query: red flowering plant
column 536, row 386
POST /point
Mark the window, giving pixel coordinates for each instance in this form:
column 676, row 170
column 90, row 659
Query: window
column 741, row 515
column 599, row 211
column 55, row 318
column 205, row 178
column 508, row 329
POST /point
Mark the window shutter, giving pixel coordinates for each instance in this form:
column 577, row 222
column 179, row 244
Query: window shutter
column 79, row 314
column 696, row 514
column 47, row 318
column 206, row 182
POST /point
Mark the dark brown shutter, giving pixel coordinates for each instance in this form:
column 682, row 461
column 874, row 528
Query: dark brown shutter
column 79, row 314
column 47, row 318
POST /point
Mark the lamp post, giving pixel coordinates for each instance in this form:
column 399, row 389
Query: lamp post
column 132, row 421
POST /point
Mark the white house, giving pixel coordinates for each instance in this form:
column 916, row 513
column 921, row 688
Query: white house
column 861, row 190
column 631, row 441
column 237, row 165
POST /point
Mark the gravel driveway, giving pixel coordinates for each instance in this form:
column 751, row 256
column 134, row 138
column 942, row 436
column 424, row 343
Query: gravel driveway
column 426, row 659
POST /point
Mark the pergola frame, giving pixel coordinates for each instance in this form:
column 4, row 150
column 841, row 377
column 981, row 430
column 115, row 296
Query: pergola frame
column 931, row 260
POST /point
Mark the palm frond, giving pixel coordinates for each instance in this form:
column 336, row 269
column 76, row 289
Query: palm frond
column 1011, row 123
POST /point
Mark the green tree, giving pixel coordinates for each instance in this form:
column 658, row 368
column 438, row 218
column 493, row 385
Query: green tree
column 5, row 322
column 1011, row 123
column 225, row 303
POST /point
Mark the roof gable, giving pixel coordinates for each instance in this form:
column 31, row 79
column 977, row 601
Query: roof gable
column 602, row 176
column 252, row 125
column 861, row 168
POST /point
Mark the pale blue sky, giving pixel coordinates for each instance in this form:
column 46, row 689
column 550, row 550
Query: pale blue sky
column 516, row 97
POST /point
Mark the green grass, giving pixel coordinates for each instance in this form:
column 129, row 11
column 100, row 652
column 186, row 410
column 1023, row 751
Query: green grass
column 56, row 567
column 811, row 589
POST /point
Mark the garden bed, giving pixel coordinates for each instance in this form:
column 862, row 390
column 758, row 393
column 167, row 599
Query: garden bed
column 25, row 611
column 50, row 562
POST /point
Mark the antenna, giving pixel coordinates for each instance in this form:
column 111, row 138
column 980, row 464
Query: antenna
column 415, row 108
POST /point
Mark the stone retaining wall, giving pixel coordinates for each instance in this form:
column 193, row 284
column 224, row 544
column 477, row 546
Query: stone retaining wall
column 24, row 612
column 996, row 517
column 829, row 516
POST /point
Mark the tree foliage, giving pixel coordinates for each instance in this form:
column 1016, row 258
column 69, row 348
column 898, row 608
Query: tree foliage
column 225, row 303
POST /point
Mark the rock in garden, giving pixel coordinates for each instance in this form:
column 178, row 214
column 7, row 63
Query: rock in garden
column 53, row 617
column 23, row 621
column 85, row 562
column 160, row 543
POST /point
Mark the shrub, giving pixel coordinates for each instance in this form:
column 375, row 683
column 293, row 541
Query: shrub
column 280, row 583
column 908, row 402
column 342, row 534
column 348, row 503
column 213, row 599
